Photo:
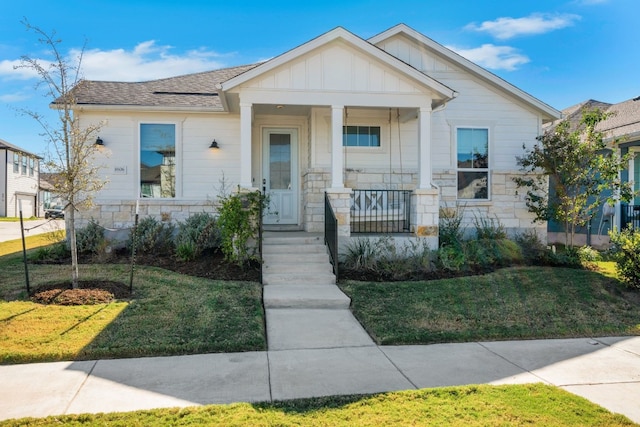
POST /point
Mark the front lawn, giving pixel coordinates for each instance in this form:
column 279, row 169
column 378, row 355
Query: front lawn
column 514, row 405
column 169, row 314
column 512, row 303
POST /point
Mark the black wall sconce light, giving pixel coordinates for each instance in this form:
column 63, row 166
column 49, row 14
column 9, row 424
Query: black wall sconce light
column 214, row 145
column 99, row 142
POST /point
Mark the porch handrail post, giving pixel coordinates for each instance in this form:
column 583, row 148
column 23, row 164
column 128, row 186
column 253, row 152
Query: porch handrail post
column 337, row 156
column 424, row 147
column 246, row 113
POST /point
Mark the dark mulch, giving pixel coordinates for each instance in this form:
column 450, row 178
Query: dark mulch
column 210, row 265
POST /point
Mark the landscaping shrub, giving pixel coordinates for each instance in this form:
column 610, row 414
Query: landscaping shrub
column 534, row 251
column 239, row 219
column 153, row 237
column 450, row 228
column 451, row 259
column 53, row 252
column 360, row 254
column 627, row 255
column 90, row 239
column 588, row 254
column 196, row 234
column 488, row 228
column 388, row 259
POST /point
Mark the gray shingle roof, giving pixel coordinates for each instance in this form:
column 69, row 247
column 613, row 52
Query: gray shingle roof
column 624, row 118
column 188, row 91
column 6, row 145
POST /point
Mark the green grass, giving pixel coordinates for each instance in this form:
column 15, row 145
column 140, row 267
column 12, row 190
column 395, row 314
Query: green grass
column 31, row 242
column 16, row 219
column 515, row 405
column 170, row 314
column 513, row 303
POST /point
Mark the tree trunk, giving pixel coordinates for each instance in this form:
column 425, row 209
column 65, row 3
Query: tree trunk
column 74, row 247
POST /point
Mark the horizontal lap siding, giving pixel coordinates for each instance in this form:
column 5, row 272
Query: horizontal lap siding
column 200, row 168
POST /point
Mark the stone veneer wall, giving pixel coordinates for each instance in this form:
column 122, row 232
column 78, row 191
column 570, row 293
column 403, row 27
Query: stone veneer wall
column 120, row 214
column 507, row 204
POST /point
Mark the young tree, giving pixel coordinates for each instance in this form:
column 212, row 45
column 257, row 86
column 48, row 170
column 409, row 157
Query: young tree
column 71, row 146
column 582, row 171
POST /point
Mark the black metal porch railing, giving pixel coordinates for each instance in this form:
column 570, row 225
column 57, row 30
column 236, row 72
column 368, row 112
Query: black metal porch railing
column 331, row 233
column 381, row 211
column 630, row 216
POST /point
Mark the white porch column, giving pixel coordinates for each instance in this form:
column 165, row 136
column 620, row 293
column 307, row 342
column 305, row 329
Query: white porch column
column 424, row 148
column 337, row 156
column 246, row 112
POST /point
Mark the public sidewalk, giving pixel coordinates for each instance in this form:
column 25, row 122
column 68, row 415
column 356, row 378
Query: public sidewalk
column 11, row 230
column 603, row 370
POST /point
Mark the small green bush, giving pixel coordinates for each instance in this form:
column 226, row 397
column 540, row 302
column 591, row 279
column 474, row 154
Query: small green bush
column 90, row 239
column 53, row 252
column 534, row 251
column 360, row 254
column 186, row 251
column 489, row 228
column 627, row 254
column 588, row 254
column 239, row 219
column 153, row 237
column 196, row 234
column 450, row 228
column 450, row 258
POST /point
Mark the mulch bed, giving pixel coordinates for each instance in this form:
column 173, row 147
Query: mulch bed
column 211, row 265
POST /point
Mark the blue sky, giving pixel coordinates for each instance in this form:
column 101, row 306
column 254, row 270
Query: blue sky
column 560, row 51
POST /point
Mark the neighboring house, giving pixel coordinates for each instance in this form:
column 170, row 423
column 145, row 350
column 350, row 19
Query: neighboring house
column 337, row 114
column 622, row 131
column 19, row 181
column 48, row 196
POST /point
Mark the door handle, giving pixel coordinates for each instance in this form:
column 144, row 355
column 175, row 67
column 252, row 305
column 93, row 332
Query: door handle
column 264, row 185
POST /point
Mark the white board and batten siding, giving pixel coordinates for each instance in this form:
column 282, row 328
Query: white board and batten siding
column 479, row 103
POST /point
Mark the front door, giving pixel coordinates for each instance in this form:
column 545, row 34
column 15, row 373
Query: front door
column 280, row 175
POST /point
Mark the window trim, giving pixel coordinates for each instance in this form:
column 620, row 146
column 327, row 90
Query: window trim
column 489, row 168
column 364, row 147
column 16, row 162
column 24, row 170
column 177, row 159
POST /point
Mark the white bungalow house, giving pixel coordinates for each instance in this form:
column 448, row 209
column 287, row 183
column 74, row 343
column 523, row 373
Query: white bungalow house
column 19, row 181
column 339, row 115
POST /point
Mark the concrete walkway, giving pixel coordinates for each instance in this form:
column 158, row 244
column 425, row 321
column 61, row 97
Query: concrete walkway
column 603, row 370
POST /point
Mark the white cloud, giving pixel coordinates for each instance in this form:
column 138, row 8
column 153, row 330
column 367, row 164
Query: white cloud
column 14, row 97
column 146, row 61
column 493, row 57
column 537, row 23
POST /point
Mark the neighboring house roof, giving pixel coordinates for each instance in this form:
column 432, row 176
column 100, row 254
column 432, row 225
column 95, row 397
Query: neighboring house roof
column 623, row 121
column 549, row 112
column 192, row 91
column 8, row 146
column 47, row 180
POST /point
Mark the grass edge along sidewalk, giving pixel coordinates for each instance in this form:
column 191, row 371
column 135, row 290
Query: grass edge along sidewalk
column 476, row 405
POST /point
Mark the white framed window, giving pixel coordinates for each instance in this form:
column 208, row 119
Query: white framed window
column 361, row 136
column 16, row 163
column 472, row 162
column 32, row 166
column 25, row 161
column 157, row 160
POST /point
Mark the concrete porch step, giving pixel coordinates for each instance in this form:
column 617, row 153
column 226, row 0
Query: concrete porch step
column 292, row 239
column 294, row 267
column 298, row 279
column 316, row 297
column 293, row 249
column 295, row 257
